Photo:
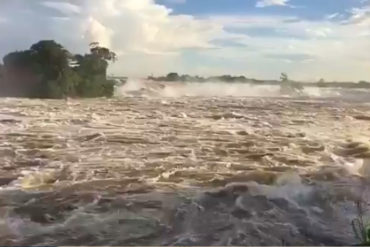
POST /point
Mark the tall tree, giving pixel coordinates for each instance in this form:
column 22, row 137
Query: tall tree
column 284, row 77
column 53, row 57
column 102, row 52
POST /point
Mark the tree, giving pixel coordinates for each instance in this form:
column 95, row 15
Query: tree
column 21, row 59
column 48, row 70
column 93, row 68
column 185, row 78
column 364, row 84
column 173, row 77
column 53, row 57
column 284, row 77
column 22, row 74
column 90, row 65
column 1, row 71
column 1, row 77
column 321, row 83
column 102, row 52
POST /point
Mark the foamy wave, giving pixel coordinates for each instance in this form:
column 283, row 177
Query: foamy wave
column 144, row 88
column 195, row 89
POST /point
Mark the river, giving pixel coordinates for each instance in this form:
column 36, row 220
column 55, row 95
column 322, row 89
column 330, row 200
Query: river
column 186, row 169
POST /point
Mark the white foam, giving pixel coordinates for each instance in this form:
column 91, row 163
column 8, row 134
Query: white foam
column 196, row 89
column 288, row 186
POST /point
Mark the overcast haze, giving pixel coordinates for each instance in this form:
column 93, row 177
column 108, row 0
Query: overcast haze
column 308, row 39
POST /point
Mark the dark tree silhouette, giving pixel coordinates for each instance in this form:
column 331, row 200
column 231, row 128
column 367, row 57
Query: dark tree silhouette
column 284, row 77
column 48, row 70
column 102, row 52
column 173, row 77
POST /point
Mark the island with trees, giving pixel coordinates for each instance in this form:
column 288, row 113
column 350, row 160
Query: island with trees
column 48, row 70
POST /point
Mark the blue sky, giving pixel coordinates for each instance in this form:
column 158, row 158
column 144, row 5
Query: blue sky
column 308, row 9
column 308, row 39
column 319, row 20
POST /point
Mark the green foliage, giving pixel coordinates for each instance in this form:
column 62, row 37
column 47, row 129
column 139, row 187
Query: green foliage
column 102, row 52
column 173, row 77
column 364, row 84
column 1, row 71
column 52, row 89
column 189, row 78
column 22, row 60
column 58, row 73
column 97, row 87
column 52, row 57
column 284, row 77
column 361, row 229
column 91, row 65
column 1, row 78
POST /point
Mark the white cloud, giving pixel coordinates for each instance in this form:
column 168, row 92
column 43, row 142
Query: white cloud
column 319, row 31
column 150, row 38
column 332, row 16
column 97, row 32
column 307, row 50
column 132, row 28
column 65, row 8
column 360, row 16
column 267, row 3
column 142, row 25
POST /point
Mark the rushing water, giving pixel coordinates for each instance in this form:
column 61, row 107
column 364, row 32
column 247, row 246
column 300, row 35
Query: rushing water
column 210, row 169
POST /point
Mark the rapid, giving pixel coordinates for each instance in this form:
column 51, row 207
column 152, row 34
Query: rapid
column 185, row 164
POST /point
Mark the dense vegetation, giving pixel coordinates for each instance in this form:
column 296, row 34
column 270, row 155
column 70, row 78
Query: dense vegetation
column 48, row 70
column 175, row 77
column 284, row 80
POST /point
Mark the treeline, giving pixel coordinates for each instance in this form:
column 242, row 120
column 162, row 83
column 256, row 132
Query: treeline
column 175, row 77
column 48, row 70
column 360, row 84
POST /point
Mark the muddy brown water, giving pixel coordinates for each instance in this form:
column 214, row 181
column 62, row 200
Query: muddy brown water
column 182, row 171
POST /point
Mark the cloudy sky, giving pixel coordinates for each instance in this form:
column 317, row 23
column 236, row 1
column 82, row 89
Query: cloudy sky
column 308, row 39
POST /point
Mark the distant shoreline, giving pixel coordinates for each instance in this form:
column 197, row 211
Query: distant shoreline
column 242, row 79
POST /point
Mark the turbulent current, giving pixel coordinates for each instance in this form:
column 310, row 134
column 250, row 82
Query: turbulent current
column 185, row 165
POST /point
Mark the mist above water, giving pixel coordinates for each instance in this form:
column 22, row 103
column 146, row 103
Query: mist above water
column 138, row 87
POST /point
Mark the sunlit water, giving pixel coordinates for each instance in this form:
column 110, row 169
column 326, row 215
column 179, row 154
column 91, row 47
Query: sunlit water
column 184, row 165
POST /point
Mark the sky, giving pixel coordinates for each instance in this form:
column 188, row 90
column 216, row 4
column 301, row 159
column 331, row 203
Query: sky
column 307, row 39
